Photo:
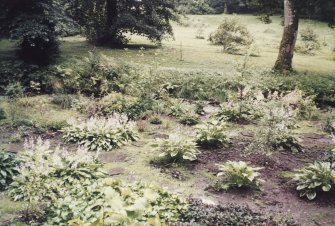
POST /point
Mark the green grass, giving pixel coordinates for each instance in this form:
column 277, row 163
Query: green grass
column 199, row 54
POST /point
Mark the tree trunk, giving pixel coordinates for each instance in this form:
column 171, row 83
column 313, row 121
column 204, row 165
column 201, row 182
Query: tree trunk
column 286, row 50
column 111, row 11
column 226, row 11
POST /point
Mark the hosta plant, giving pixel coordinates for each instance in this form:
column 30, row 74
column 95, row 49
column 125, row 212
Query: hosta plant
column 8, row 168
column 212, row 134
column 100, row 134
column 315, row 177
column 177, row 149
column 239, row 112
column 238, row 175
column 46, row 173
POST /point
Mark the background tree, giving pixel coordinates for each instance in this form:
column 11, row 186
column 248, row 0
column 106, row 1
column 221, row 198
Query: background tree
column 107, row 21
column 33, row 23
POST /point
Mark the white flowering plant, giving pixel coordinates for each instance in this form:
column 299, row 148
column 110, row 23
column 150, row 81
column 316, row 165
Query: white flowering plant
column 100, row 134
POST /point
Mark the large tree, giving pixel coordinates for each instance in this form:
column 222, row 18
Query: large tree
column 107, row 21
column 33, row 24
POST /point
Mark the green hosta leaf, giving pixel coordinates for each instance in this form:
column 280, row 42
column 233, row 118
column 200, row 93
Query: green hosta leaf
column 326, row 187
column 311, row 195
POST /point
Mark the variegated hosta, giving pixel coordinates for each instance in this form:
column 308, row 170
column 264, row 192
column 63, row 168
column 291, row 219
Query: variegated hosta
column 46, row 171
column 213, row 134
column 100, row 134
column 315, row 177
column 177, row 148
column 237, row 175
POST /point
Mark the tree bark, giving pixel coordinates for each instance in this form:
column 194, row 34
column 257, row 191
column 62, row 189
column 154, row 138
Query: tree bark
column 286, row 50
column 111, row 11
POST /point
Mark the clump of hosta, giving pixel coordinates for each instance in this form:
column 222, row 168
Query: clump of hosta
column 100, row 134
column 177, row 148
column 238, row 175
column 276, row 132
column 239, row 112
column 116, row 203
column 45, row 172
column 8, row 168
column 212, row 134
column 314, row 178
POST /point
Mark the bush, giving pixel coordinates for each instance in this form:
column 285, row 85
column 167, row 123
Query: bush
column 314, row 178
column 99, row 134
column 265, row 19
column 240, row 112
column 276, row 131
column 310, row 42
column 232, row 36
column 46, row 173
column 212, row 134
column 177, row 149
column 14, row 90
column 9, row 164
column 238, row 175
column 188, row 119
column 65, row 101
column 3, row 114
column 156, row 120
column 329, row 126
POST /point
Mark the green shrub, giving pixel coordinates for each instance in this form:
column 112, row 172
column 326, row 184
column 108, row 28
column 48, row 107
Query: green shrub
column 239, row 112
column 265, row 18
column 329, row 125
column 200, row 214
column 238, row 175
column 3, row 114
column 177, row 149
column 14, row 90
column 212, row 134
column 310, row 42
column 99, row 134
column 188, row 119
column 232, row 36
column 9, row 164
column 156, row 120
column 276, row 132
column 314, row 178
column 65, row 101
column 45, row 172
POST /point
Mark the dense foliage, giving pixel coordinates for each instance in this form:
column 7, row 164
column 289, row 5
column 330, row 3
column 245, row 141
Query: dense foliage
column 99, row 134
column 107, row 21
column 314, row 178
column 9, row 165
column 212, row 134
column 232, row 36
column 177, row 149
column 238, row 175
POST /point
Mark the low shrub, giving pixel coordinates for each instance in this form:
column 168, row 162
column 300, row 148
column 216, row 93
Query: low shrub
column 99, row 134
column 200, row 214
column 14, row 90
column 212, row 134
column 65, row 101
column 177, row 149
column 265, row 18
column 329, row 125
column 314, row 178
column 9, row 167
column 188, row 119
column 46, row 172
column 239, row 112
column 310, row 43
column 156, row 120
column 232, row 36
column 238, row 175
column 3, row 114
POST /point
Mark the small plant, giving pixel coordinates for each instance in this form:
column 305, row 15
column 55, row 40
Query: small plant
column 212, row 134
column 189, row 119
column 156, row 120
column 63, row 100
column 177, row 149
column 238, row 175
column 199, row 108
column 265, row 18
column 315, row 177
column 3, row 114
column 240, row 112
column 310, row 42
column 329, row 126
column 8, row 169
column 99, row 134
column 232, row 36
column 14, row 90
